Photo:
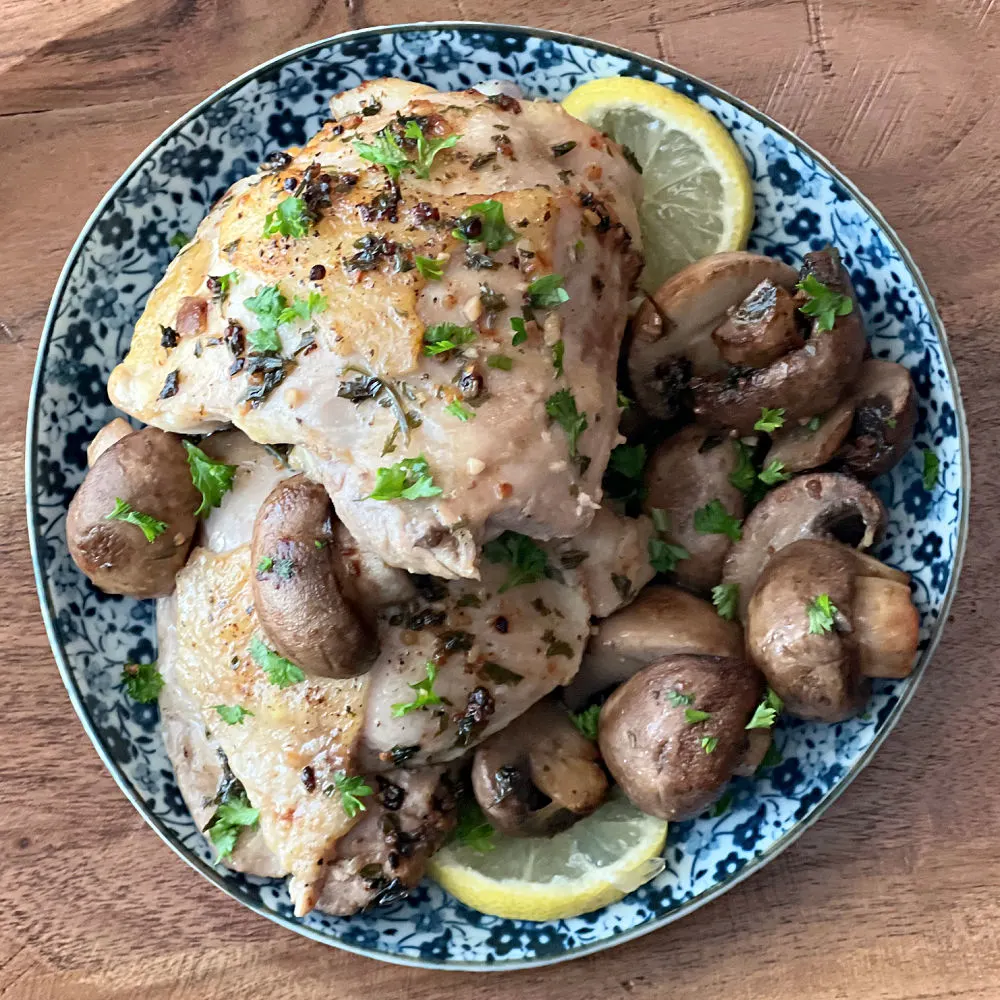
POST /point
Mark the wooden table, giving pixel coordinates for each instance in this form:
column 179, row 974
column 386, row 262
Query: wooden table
column 896, row 892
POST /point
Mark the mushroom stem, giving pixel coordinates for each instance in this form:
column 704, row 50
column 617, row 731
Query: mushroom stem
column 758, row 743
column 886, row 626
column 575, row 783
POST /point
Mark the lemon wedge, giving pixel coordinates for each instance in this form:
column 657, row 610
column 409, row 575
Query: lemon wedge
column 697, row 194
column 595, row 862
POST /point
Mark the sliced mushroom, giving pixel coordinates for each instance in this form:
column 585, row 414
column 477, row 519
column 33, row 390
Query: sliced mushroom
column 815, row 505
column 799, row 447
column 671, row 335
column 662, row 621
column 685, row 473
column 818, row 657
column 674, row 734
column 539, row 775
column 112, row 432
column 148, row 471
column 885, row 414
column 299, row 598
column 803, row 382
column 761, row 328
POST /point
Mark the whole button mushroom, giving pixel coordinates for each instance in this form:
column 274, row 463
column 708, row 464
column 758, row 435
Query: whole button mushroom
column 539, row 775
column 298, row 592
column 675, row 733
column 823, row 620
column 132, row 521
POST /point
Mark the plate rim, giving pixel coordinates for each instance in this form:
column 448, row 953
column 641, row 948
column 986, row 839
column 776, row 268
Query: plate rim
column 42, row 584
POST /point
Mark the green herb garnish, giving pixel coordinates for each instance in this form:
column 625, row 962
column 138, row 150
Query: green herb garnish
column 179, row 240
column 473, row 830
column 664, row 556
column 143, row 682
column 232, row 715
column 679, row 698
column 726, row 598
column 775, row 473
column 290, row 218
column 714, row 519
column 932, row 469
column 547, row 292
column 558, row 353
column 384, row 149
column 770, row 420
column 744, row 476
column 528, row 562
column 427, row 149
column 824, row 304
column 213, row 480
column 767, row 712
column 561, row 407
column 500, row 361
column 280, row 671
column 821, row 611
column 459, row 410
column 149, row 525
column 350, row 789
column 442, row 337
column 409, row 479
column 430, row 267
column 425, row 694
column 695, row 715
column 586, row 721
column 233, row 815
column 709, row 743
column 520, row 331
column 495, row 232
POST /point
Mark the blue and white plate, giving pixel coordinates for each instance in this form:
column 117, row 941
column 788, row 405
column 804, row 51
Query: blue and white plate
column 802, row 204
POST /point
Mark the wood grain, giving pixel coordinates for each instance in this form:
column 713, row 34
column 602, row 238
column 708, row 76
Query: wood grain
column 895, row 894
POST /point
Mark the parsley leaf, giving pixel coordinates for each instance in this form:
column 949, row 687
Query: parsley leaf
column 528, row 562
column 770, row 420
column 233, row 815
column 425, row 694
column 494, row 231
column 623, row 401
column 149, row 525
column 351, row 790
column 586, row 721
column 220, row 284
column 775, row 473
column 628, row 460
column 694, row 715
column 385, row 151
column 932, row 468
column 443, row 337
column 279, row 671
column 232, row 715
column 302, row 308
column 709, row 743
column 714, row 519
column 824, row 303
column 427, row 149
column 520, row 331
column 820, row 611
column 179, row 240
column 744, row 476
column 290, row 218
column 268, row 304
column 472, row 829
column 143, row 682
column 462, row 412
column 664, row 556
column 265, row 564
column 660, row 519
column 212, row 479
column 409, row 479
column 767, row 712
column 678, row 698
column 814, row 424
column 726, row 598
column 430, row 267
column 547, row 292
column 558, row 353
column 500, row 361
column 561, row 407
column 722, row 806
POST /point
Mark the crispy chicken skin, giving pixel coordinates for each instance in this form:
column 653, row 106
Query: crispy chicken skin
column 569, row 201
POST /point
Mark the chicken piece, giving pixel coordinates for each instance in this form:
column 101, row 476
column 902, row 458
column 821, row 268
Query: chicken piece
column 345, row 373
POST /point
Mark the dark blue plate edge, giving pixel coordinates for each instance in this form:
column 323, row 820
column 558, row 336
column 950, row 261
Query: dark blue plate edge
column 42, row 584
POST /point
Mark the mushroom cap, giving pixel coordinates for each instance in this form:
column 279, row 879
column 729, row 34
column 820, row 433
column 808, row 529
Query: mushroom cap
column 885, row 414
column 803, row 382
column 539, row 775
column 686, row 472
column 148, row 469
column 817, row 675
column 656, row 754
column 297, row 594
column 814, row 505
column 112, row 432
column 678, row 321
column 762, row 328
column 662, row 621
column 799, row 449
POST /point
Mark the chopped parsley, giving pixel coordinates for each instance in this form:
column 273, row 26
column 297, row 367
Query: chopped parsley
column 179, row 240
column 302, row 308
column 425, row 693
column 714, row 519
column 385, row 150
column 726, row 598
column 232, row 715
column 744, row 476
column 280, row 671
column 814, row 424
column 143, row 682
column 430, row 267
column 678, row 698
column 821, row 611
column 233, row 815
column 459, row 410
column 351, row 790
column 824, row 304
column 586, row 721
column 558, row 353
column 770, row 420
column 722, row 806
column 427, row 149
column 528, row 562
column 932, row 469
column 473, row 830
column 775, row 473
column 272, row 310
column 484, row 222
column 547, row 292
column 623, row 401
column 220, row 284
column 265, row 564
column 771, row 759
column 695, row 715
column 561, row 407
column 767, row 712
column 500, row 361
column 628, row 460
column 149, row 525
column 212, row 479
column 709, row 743
column 442, row 337
column 520, row 331
column 664, row 556
column 290, row 218
column 409, row 479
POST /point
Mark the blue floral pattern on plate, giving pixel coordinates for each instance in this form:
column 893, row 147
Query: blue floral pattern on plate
column 801, row 204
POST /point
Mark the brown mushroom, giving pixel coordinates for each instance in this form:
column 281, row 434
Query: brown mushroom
column 298, row 596
column 662, row 621
column 671, row 336
column 148, row 471
column 822, row 621
column 539, row 775
column 804, row 446
column 814, row 505
column 885, row 414
column 686, row 473
column 111, row 433
column 761, row 328
column 674, row 734
column 803, row 382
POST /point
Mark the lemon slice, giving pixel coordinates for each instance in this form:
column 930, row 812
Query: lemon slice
column 595, row 862
column 697, row 194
